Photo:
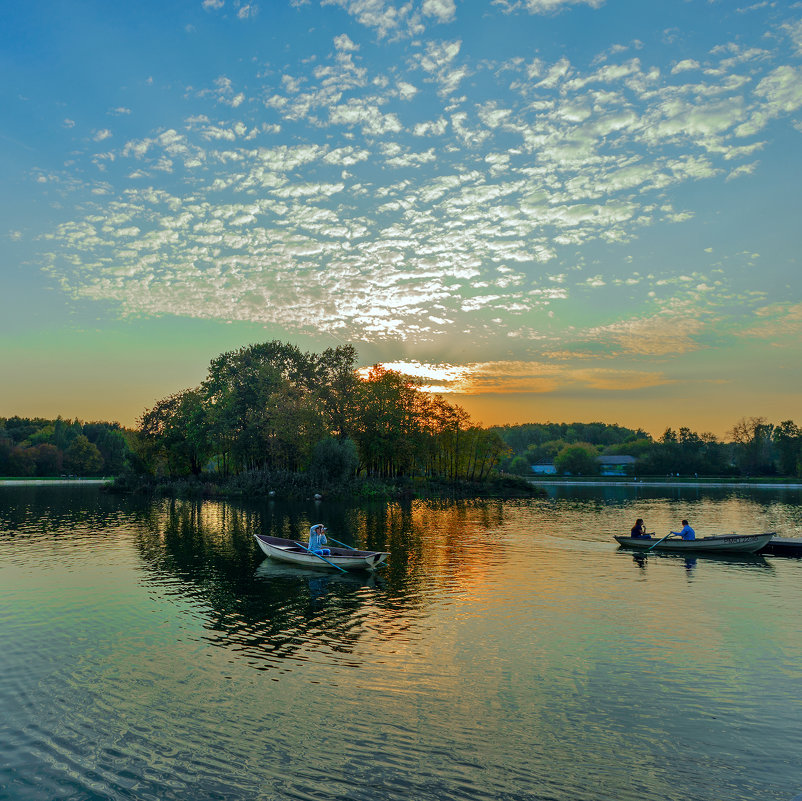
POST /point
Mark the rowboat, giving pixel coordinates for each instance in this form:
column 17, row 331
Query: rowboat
column 297, row 554
column 783, row 546
column 727, row 543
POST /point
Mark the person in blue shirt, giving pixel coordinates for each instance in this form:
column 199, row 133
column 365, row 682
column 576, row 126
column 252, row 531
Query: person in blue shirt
column 317, row 538
column 687, row 532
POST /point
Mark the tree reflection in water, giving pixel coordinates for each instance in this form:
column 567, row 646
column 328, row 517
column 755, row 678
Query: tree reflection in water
column 270, row 613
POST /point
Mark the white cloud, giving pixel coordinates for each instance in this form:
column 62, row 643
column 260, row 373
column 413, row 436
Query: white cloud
column 343, row 43
column 384, row 17
column 782, row 89
column 685, row 65
column 442, row 10
column 543, row 6
column 391, row 207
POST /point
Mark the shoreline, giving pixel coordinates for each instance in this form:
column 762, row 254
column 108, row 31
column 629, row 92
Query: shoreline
column 655, row 483
column 49, row 482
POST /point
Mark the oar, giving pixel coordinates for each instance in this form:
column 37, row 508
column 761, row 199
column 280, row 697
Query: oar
column 321, row 557
column 343, row 544
column 353, row 549
column 659, row 541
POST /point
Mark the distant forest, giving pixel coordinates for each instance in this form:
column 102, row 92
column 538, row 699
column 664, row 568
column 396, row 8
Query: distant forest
column 34, row 446
column 755, row 447
column 273, row 409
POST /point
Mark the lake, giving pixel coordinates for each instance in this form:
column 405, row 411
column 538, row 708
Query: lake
column 509, row 650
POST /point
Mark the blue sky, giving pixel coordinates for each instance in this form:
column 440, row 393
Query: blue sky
column 549, row 209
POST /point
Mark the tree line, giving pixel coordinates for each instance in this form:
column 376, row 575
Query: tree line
column 36, row 446
column 272, row 407
column 754, row 447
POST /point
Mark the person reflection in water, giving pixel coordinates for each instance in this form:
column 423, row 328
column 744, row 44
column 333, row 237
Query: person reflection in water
column 639, row 530
column 317, row 538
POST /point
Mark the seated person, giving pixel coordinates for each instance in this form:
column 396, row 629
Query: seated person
column 639, row 530
column 317, row 538
column 687, row 532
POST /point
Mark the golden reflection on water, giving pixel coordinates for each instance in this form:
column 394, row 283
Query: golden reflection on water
column 508, row 649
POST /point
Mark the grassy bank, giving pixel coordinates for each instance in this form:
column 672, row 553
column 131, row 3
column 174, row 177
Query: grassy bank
column 302, row 486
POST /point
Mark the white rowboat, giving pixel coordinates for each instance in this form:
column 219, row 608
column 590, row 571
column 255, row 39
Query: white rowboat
column 728, row 543
column 297, row 554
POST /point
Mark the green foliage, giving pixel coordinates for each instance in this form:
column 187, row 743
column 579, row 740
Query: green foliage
column 788, row 442
column 634, row 447
column 520, row 466
column 83, row 457
column 41, row 447
column 334, row 461
column 753, row 445
column 272, row 408
column 578, row 460
column 48, row 458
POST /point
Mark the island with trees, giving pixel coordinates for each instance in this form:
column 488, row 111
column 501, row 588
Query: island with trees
column 269, row 419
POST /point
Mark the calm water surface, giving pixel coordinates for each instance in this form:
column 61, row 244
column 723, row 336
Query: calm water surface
column 508, row 651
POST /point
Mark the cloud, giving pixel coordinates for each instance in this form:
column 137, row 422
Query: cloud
column 427, row 194
column 794, row 31
column 779, row 322
column 543, row 6
column 652, row 336
column 441, row 10
column 506, row 377
column 782, row 89
column 685, row 65
column 384, row 17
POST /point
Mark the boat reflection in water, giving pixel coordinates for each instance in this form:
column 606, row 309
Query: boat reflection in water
column 747, row 561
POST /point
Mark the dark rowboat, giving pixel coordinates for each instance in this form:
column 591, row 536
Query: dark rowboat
column 297, row 554
column 783, row 546
column 728, row 543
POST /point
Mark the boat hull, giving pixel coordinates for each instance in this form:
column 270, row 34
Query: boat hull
column 732, row 543
column 293, row 553
column 784, row 546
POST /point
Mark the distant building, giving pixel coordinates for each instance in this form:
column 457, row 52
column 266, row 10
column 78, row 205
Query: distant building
column 544, row 467
column 616, row 465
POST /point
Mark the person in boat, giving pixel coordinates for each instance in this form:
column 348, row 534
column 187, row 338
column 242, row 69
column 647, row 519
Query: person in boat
column 639, row 530
column 317, row 539
column 687, row 532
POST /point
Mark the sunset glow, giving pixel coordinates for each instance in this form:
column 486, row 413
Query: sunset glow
column 549, row 209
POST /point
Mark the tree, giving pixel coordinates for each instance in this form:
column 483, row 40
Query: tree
column 176, row 432
column 788, row 442
column 49, row 459
column 754, row 448
column 334, row 460
column 520, row 466
column 578, row 460
column 20, row 462
column 83, row 457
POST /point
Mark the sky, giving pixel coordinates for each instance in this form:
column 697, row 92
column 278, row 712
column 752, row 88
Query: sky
column 548, row 210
